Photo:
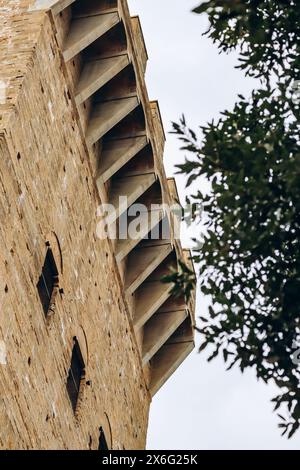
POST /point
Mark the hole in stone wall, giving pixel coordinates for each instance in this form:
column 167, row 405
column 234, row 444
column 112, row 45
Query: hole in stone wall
column 76, row 375
column 102, row 440
column 48, row 282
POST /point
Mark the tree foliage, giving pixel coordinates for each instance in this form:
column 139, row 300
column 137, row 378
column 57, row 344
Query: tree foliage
column 266, row 31
column 250, row 260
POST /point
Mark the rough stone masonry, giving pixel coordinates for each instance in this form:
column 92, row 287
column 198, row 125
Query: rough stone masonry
column 83, row 348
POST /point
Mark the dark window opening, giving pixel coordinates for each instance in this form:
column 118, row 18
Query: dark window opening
column 102, row 441
column 76, row 374
column 48, row 282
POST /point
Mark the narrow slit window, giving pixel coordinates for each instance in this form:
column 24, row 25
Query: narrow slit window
column 76, row 374
column 102, row 440
column 48, row 282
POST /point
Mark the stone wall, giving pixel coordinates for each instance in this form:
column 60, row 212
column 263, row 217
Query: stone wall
column 48, row 194
column 77, row 129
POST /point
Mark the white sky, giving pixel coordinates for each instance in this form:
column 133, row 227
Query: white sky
column 201, row 406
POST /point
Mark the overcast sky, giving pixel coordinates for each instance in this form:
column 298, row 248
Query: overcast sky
column 201, row 406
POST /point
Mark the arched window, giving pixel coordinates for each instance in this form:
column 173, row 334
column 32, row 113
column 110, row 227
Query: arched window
column 47, row 285
column 102, row 440
column 76, row 375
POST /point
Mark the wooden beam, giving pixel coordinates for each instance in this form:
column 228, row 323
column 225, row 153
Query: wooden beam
column 165, row 268
column 96, row 73
column 173, row 304
column 142, row 262
column 149, row 298
column 124, row 247
column 158, row 330
column 84, row 31
column 116, row 153
column 184, row 333
column 125, row 191
column 56, row 6
column 106, row 115
column 166, row 361
column 140, row 42
column 60, row 6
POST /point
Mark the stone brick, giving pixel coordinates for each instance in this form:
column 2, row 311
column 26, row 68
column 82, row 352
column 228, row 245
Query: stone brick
column 49, row 197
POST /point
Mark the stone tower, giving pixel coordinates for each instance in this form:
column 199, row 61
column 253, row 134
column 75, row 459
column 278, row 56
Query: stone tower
column 88, row 332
